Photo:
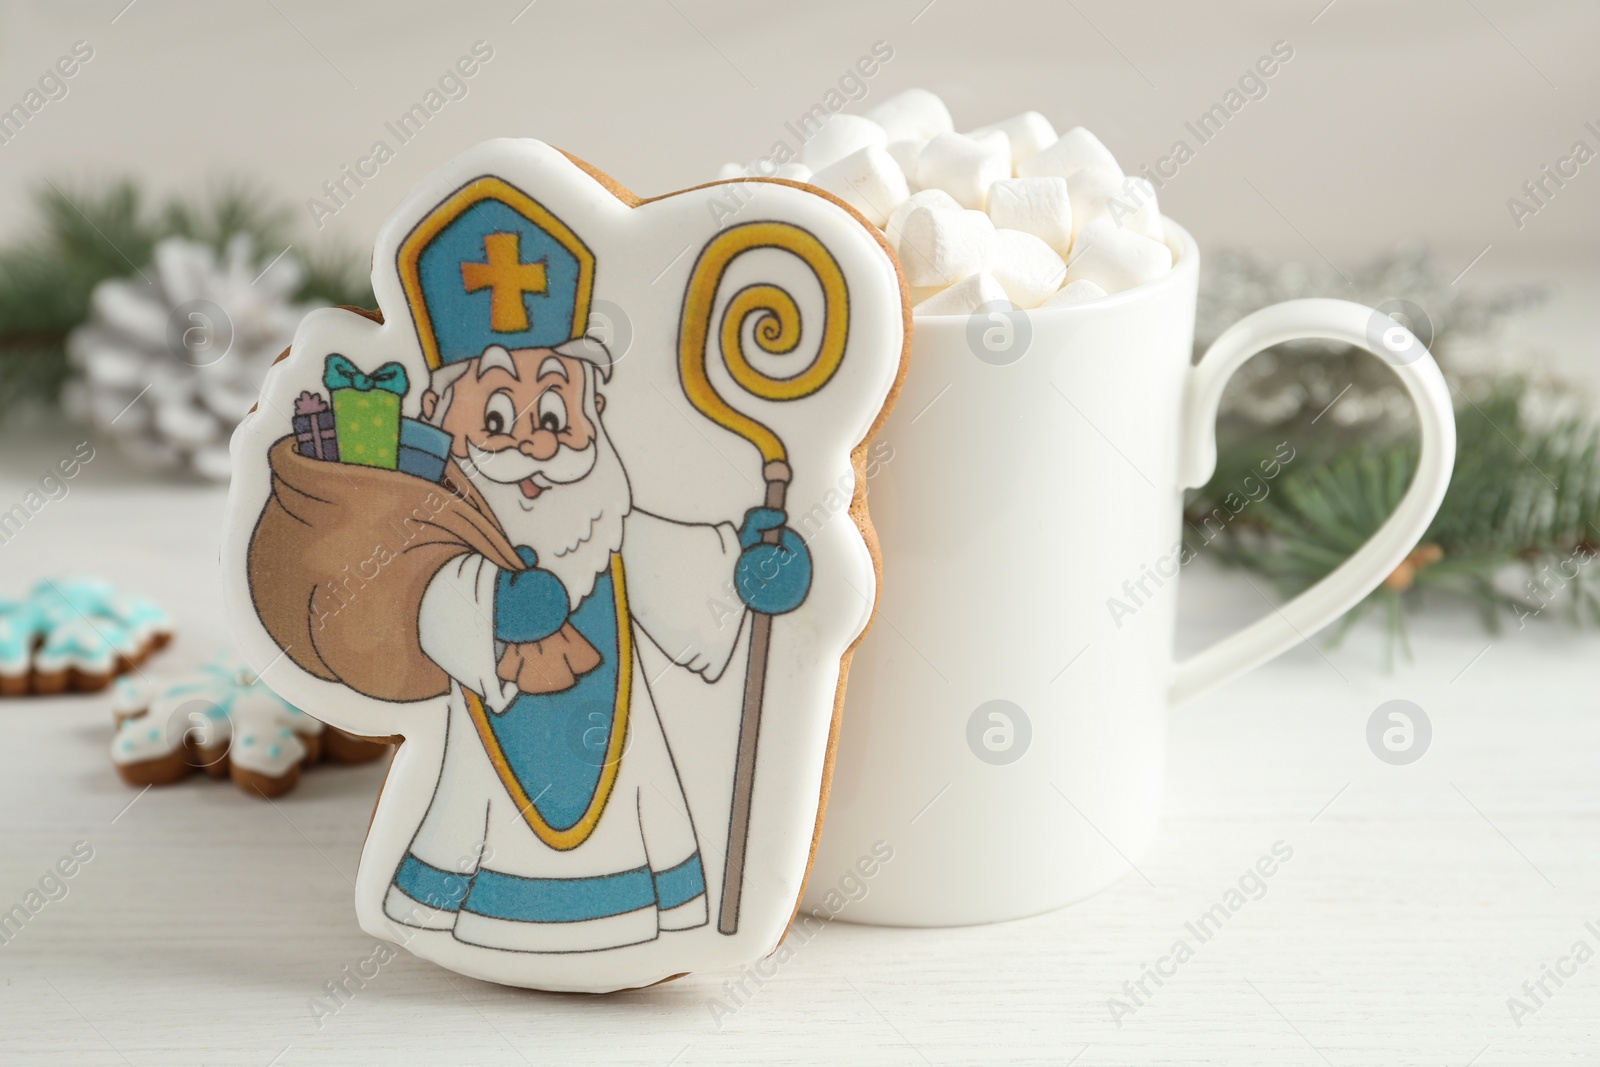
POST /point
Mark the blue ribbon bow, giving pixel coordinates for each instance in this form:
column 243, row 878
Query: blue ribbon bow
column 340, row 373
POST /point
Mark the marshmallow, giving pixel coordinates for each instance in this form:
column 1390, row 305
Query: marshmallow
column 1128, row 203
column 840, row 136
column 962, row 298
column 1079, row 292
column 1075, row 150
column 1145, row 217
column 1026, row 268
column 1029, row 134
column 965, row 166
column 940, row 247
column 914, row 115
column 868, row 180
column 1040, row 206
column 963, row 226
column 923, row 198
column 1116, row 259
column 906, row 153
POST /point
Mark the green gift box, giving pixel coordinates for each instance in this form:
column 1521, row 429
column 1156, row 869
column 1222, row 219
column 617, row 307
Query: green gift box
column 366, row 411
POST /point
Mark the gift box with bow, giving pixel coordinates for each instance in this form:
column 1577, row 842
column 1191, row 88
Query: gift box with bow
column 313, row 427
column 366, row 411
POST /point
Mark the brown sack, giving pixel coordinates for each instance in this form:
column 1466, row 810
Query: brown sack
column 341, row 557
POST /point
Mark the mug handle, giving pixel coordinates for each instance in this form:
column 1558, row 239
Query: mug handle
column 1338, row 592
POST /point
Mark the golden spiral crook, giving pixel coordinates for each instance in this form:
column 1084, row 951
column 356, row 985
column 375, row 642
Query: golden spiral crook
column 776, row 329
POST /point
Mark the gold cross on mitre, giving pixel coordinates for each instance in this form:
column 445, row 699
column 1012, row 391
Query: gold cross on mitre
column 507, row 278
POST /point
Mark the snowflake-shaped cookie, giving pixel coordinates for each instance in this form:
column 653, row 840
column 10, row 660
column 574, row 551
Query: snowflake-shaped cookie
column 75, row 634
column 223, row 720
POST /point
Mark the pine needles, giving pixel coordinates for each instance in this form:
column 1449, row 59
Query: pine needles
column 1514, row 536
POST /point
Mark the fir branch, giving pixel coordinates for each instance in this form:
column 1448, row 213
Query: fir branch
column 1523, row 503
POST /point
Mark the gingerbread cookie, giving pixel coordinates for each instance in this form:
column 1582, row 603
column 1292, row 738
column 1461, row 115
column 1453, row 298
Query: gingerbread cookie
column 580, row 517
column 75, row 634
column 222, row 720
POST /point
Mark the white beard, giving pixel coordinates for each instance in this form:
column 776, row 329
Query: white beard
column 574, row 526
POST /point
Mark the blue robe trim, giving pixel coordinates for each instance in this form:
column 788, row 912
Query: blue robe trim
column 555, row 743
column 551, row 900
column 440, row 889
column 681, row 884
column 519, row 899
column 559, row 900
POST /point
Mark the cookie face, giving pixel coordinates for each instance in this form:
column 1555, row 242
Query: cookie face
column 581, row 522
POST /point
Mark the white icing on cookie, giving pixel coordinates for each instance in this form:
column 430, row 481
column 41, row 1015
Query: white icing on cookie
column 256, row 704
column 76, row 644
column 130, row 694
column 145, row 738
column 717, row 357
column 17, row 629
column 76, row 624
column 266, row 748
column 221, row 704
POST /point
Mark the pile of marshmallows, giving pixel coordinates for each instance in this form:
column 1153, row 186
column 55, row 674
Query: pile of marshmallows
column 1009, row 212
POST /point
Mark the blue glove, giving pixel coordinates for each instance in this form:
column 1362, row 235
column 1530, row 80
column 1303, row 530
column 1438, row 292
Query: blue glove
column 771, row 579
column 529, row 605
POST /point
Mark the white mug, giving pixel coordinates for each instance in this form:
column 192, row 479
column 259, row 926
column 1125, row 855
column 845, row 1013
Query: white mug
column 1004, row 723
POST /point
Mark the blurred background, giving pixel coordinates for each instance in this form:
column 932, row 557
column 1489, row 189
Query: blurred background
column 1392, row 121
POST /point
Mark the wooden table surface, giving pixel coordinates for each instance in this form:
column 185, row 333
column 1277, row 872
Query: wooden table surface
column 1418, row 898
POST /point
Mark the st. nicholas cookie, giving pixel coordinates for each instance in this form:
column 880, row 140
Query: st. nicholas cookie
column 580, row 517
column 75, row 635
column 222, row 720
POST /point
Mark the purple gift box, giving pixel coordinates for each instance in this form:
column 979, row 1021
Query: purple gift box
column 313, row 427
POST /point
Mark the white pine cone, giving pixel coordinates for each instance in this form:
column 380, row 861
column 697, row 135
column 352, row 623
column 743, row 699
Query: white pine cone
column 168, row 367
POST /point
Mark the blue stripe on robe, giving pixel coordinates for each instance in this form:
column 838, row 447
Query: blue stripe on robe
column 560, row 900
column 681, row 884
column 433, row 886
column 551, row 900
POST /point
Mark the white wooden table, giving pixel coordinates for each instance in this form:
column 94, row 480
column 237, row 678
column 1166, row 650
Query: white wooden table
column 1418, row 899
